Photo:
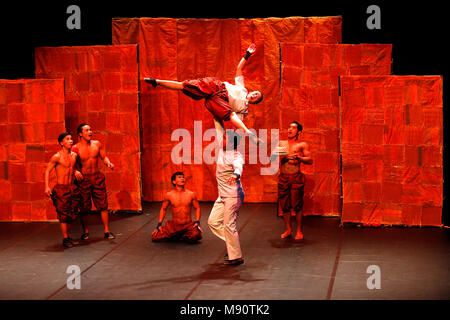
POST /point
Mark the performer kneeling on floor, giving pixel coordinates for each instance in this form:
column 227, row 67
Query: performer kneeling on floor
column 291, row 181
column 227, row 102
column 223, row 217
column 65, row 194
column 181, row 227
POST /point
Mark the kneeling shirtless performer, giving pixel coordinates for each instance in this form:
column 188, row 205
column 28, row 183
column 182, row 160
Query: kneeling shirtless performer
column 181, row 227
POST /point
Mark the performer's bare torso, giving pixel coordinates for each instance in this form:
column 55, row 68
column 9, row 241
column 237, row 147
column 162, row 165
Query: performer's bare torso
column 181, row 204
column 64, row 167
column 290, row 164
column 89, row 154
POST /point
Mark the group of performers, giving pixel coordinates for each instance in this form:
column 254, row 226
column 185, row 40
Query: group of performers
column 79, row 178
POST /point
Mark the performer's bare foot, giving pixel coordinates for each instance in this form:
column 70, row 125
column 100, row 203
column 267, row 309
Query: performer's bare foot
column 286, row 234
column 299, row 236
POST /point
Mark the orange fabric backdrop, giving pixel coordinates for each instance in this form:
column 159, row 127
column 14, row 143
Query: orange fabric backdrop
column 101, row 89
column 180, row 49
column 392, row 150
column 310, row 95
column 31, row 118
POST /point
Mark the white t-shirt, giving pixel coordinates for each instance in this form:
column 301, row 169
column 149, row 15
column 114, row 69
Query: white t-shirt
column 229, row 162
column 237, row 96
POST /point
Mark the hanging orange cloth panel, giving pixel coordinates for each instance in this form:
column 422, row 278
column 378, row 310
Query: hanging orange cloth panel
column 180, row 49
column 101, row 89
column 310, row 95
column 392, row 150
column 31, row 119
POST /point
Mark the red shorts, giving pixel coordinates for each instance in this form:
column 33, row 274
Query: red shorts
column 290, row 191
column 93, row 187
column 66, row 199
column 213, row 91
column 188, row 232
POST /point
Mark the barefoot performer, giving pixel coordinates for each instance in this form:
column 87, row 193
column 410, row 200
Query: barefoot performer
column 181, row 227
column 226, row 101
column 291, row 180
column 65, row 194
column 90, row 152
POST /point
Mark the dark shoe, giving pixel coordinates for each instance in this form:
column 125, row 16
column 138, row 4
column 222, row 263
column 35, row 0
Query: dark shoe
column 67, row 243
column 234, row 262
column 151, row 81
column 84, row 236
column 73, row 241
column 109, row 235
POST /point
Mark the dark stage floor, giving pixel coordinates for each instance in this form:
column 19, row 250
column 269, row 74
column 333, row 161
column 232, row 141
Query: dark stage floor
column 331, row 262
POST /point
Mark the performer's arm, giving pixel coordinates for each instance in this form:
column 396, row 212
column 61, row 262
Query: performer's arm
column 196, row 206
column 50, row 166
column 163, row 211
column 306, row 158
column 238, row 165
column 103, row 156
column 77, row 168
column 244, row 59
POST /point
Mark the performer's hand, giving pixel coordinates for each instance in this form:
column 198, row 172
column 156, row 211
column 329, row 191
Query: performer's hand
column 78, row 175
column 252, row 48
column 154, row 232
column 48, row 191
column 110, row 165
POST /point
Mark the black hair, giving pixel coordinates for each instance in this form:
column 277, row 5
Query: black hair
column 299, row 126
column 260, row 98
column 62, row 136
column 80, row 128
column 174, row 176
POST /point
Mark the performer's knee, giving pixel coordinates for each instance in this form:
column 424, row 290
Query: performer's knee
column 213, row 223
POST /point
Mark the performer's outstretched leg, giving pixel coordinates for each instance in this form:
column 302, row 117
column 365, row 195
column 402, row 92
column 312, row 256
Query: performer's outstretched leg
column 169, row 84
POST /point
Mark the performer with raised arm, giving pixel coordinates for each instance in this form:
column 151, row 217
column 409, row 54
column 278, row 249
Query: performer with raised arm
column 226, row 101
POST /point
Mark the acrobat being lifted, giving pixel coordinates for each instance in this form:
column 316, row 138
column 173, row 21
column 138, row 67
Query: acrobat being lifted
column 226, row 101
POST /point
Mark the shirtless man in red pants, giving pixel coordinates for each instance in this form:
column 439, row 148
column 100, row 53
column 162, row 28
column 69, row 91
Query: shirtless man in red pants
column 181, row 227
column 226, row 101
column 291, row 181
column 93, row 186
column 65, row 194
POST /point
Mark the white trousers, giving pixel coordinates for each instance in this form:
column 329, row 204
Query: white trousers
column 222, row 222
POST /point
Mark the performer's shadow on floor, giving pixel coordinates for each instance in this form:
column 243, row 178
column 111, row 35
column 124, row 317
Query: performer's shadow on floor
column 57, row 247
column 213, row 271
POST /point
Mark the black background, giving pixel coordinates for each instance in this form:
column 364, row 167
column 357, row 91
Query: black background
column 418, row 31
